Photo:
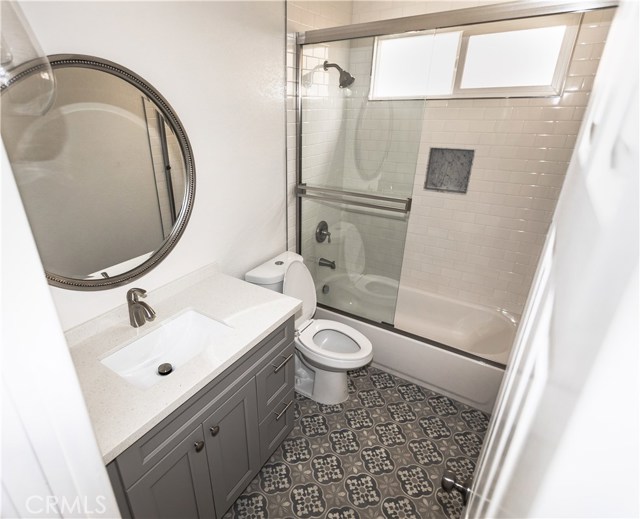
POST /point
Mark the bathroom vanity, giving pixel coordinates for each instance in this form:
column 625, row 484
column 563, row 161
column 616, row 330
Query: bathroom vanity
column 188, row 444
column 197, row 461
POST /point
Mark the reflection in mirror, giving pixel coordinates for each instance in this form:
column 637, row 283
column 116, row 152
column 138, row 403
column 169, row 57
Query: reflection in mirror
column 106, row 175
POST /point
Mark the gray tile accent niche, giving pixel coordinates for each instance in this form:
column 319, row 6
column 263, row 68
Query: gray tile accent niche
column 379, row 455
column 449, row 170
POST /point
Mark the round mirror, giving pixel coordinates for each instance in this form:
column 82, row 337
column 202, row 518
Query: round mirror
column 106, row 175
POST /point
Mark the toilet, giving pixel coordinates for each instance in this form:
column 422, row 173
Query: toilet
column 325, row 349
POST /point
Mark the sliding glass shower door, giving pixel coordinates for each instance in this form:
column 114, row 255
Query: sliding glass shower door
column 357, row 167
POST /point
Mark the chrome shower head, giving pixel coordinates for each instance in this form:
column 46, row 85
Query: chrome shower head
column 346, row 79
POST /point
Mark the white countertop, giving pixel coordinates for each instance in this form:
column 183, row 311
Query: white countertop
column 122, row 413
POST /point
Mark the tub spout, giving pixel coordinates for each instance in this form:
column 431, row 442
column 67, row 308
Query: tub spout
column 327, row 263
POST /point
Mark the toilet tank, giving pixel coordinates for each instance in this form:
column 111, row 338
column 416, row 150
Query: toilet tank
column 271, row 273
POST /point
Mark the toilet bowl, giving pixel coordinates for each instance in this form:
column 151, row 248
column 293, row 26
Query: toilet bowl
column 325, row 350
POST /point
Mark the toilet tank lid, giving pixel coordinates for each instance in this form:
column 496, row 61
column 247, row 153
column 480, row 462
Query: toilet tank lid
column 272, row 271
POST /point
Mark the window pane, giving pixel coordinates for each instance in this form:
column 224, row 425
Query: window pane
column 414, row 66
column 443, row 63
column 396, row 73
column 514, row 58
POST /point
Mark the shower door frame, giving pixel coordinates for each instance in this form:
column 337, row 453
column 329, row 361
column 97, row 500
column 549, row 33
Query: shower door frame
column 433, row 21
column 446, row 19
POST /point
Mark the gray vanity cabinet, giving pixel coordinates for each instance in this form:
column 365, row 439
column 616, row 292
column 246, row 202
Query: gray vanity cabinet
column 178, row 486
column 199, row 459
column 232, row 445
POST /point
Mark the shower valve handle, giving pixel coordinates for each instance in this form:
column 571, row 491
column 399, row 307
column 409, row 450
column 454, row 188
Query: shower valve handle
column 322, row 232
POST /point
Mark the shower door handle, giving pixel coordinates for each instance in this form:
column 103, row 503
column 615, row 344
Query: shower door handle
column 369, row 200
column 450, row 483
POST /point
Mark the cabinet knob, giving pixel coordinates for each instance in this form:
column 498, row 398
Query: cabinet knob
column 199, row 445
column 214, row 430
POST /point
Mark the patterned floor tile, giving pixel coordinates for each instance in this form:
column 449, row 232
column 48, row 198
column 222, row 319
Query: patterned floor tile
column 379, row 455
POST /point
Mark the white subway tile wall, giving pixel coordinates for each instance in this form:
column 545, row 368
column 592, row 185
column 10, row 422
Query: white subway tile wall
column 352, row 144
column 323, row 143
column 304, row 16
column 483, row 246
column 382, row 138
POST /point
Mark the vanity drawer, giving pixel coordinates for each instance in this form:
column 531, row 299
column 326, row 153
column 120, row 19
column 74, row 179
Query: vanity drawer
column 276, row 426
column 275, row 380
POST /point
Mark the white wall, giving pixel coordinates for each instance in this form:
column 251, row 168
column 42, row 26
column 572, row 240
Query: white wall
column 221, row 66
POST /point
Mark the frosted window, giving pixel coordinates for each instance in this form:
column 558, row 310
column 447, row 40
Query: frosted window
column 443, row 63
column 513, row 59
column 510, row 58
column 415, row 66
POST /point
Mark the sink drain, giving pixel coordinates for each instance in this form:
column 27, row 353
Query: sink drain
column 165, row 369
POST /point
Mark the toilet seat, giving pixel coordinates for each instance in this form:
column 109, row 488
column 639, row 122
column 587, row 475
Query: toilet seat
column 332, row 352
column 328, row 354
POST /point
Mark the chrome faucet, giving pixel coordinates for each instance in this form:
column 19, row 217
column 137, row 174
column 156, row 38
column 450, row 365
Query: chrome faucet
column 139, row 311
column 327, row 263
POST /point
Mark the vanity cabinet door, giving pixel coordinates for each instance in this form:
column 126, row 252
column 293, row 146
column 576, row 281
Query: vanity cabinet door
column 177, row 487
column 232, row 446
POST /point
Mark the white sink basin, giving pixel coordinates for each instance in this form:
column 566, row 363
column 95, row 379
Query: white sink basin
column 176, row 342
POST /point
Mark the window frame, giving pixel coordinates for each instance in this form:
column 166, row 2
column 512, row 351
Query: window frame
column 572, row 21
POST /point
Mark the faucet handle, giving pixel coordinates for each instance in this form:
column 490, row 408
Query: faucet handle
column 322, row 232
column 134, row 293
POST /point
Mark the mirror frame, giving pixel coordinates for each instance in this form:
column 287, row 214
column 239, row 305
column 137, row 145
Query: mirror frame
column 103, row 65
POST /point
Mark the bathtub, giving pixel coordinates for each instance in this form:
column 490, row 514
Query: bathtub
column 479, row 330
column 467, row 380
column 476, row 329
